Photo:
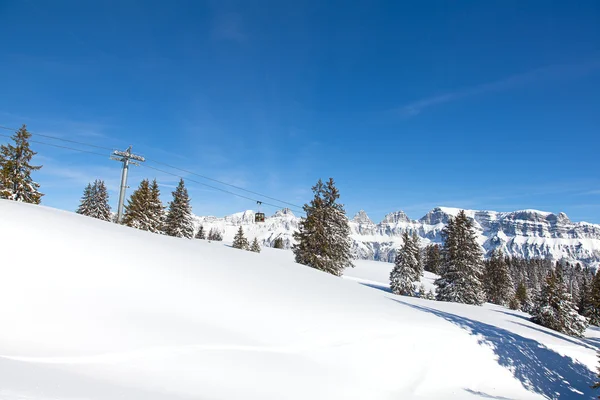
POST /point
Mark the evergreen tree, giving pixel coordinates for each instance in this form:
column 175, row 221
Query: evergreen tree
column 278, row 243
column 597, row 384
column 156, row 213
column 521, row 298
column 201, row 234
column 593, row 308
column 240, row 241
column 433, row 258
column 554, row 308
column 497, row 281
column 215, row 235
column 406, row 268
column 323, row 239
column 144, row 209
column 178, row 222
column 94, row 202
column 417, row 253
column 461, row 270
column 514, row 304
column 87, row 199
column 255, row 247
column 15, row 170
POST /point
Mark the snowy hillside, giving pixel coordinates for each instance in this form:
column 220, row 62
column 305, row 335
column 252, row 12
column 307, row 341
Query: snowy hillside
column 527, row 233
column 92, row 310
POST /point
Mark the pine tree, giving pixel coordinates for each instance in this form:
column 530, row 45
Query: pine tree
column 406, row 268
column 593, row 308
column 255, row 247
column 138, row 212
column 278, row 243
column 240, row 241
column 323, row 239
column 94, row 202
column 497, row 281
column 514, row 304
column 461, row 270
column 179, row 222
column 555, row 309
column 87, row 199
column 522, row 298
column 417, row 253
column 433, row 258
column 597, row 384
column 15, row 170
column 156, row 214
column 201, row 234
column 215, row 235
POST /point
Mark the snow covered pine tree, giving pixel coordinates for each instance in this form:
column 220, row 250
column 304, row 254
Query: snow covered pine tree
column 406, row 267
column 497, row 282
column 144, row 210
column 461, row 270
column 555, row 309
column 278, row 243
column 178, row 222
column 255, row 247
column 323, row 238
column 240, row 241
column 94, row 202
column 201, row 234
column 592, row 310
column 215, row 235
column 15, row 170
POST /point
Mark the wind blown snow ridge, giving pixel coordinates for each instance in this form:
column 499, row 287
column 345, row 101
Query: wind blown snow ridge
column 523, row 233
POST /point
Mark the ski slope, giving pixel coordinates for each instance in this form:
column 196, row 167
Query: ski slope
column 92, row 310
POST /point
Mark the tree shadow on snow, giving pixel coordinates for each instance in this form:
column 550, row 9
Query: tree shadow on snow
column 375, row 286
column 485, row 395
column 580, row 342
column 512, row 314
column 538, row 368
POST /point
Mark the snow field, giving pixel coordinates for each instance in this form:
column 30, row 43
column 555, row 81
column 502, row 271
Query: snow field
column 92, row 310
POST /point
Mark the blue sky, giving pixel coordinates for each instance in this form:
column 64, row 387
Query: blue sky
column 408, row 105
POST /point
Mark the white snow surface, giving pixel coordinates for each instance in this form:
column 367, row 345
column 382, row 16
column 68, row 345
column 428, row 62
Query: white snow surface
column 93, row 310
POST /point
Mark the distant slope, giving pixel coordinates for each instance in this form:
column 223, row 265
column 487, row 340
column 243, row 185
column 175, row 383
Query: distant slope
column 92, row 310
column 526, row 233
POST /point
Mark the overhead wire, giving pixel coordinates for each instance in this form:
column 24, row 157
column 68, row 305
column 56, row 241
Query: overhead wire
column 224, row 183
column 297, row 208
column 63, row 139
column 211, row 186
column 60, row 147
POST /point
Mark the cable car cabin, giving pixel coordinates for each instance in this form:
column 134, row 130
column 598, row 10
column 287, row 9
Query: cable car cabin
column 259, row 217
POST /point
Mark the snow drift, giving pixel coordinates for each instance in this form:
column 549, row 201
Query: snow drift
column 93, row 310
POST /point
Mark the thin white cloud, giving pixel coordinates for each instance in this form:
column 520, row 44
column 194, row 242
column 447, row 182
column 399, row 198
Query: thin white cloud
column 551, row 72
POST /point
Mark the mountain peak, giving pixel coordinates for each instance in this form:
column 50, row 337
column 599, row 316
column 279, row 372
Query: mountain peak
column 361, row 217
column 395, row 217
column 284, row 212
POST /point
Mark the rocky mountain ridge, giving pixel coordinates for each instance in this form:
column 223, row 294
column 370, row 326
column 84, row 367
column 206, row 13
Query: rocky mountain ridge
column 523, row 233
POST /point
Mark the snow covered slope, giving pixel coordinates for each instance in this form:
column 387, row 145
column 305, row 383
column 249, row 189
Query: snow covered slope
column 92, row 310
column 527, row 233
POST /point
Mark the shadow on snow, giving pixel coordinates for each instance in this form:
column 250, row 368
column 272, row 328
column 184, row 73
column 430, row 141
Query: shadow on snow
column 538, row 368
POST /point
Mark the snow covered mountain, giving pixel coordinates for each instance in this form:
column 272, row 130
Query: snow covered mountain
column 525, row 233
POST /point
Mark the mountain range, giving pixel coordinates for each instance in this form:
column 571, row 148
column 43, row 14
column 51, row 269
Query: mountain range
column 524, row 233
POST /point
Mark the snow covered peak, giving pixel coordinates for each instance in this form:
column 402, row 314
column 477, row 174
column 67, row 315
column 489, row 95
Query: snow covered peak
column 284, row 212
column 361, row 217
column 395, row 217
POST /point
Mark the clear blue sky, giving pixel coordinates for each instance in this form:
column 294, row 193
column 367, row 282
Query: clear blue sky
column 408, row 105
